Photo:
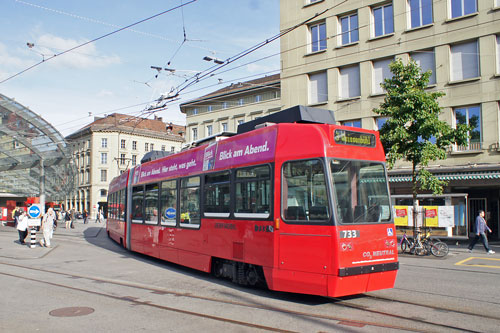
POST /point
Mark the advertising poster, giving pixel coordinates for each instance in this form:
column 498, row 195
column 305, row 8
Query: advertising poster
column 401, row 216
column 446, row 216
column 431, row 216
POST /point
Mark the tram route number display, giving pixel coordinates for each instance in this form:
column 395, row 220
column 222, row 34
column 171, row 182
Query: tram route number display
column 349, row 233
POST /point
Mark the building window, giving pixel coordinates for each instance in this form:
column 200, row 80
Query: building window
column 224, row 127
column 103, row 193
column 209, row 130
column 241, row 121
column 134, row 145
column 381, row 121
column 426, row 61
column 381, row 71
column 349, row 28
column 152, row 146
column 318, row 88
column 146, row 146
column 163, row 147
column 87, row 176
column 172, row 149
column 104, row 143
column 209, row 108
column 104, row 158
column 353, row 123
column 464, row 61
column 349, row 82
column 224, row 105
column 241, row 101
column 104, row 175
column 122, row 145
column 194, row 132
column 498, row 53
column 134, row 159
column 195, row 111
column 383, row 23
column 420, row 12
column 318, row 37
column 122, row 159
column 470, row 116
column 463, row 7
column 258, row 98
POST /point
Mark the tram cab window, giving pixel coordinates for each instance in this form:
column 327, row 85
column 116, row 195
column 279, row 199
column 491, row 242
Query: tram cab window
column 304, row 195
column 217, row 194
column 151, row 204
column 361, row 191
column 190, row 202
column 137, row 204
column 168, row 200
column 253, row 192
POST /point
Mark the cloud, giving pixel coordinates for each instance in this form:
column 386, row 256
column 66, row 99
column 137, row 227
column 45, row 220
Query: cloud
column 83, row 58
column 256, row 68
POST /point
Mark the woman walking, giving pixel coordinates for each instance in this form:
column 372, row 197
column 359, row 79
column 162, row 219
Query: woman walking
column 47, row 227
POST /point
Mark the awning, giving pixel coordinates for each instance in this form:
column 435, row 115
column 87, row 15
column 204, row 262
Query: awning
column 472, row 175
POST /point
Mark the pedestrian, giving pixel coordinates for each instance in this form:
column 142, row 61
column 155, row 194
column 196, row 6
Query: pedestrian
column 47, row 227
column 481, row 228
column 22, row 226
column 98, row 216
column 85, row 216
column 16, row 213
column 67, row 218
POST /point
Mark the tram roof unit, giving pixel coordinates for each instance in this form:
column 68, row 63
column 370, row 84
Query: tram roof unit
column 295, row 114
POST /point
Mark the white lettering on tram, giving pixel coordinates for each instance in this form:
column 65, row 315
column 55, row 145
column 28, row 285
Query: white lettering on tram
column 257, row 149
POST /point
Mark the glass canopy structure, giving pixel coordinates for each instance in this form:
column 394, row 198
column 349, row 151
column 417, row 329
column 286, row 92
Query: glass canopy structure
column 34, row 157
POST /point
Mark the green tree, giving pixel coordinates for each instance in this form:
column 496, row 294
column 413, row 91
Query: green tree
column 413, row 131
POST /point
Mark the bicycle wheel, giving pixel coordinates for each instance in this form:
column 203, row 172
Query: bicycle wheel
column 439, row 249
column 405, row 246
column 420, row 249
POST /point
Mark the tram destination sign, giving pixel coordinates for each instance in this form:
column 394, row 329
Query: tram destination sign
column 344, row 137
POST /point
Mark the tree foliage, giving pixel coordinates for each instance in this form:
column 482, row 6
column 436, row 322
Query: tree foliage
column 413, row 131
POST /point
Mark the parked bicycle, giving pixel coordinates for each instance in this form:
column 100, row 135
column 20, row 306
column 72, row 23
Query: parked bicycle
column 406, row 244
column 435, row 246
column 423, row 245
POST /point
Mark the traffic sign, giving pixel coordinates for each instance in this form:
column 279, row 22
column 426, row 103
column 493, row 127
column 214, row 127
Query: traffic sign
column 34, row 211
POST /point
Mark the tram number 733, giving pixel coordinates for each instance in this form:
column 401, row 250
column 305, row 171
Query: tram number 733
column 349, row 233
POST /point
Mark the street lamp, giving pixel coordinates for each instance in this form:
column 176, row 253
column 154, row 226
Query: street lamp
column 216, row 60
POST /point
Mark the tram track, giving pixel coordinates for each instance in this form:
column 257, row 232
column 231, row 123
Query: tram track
column 336, row 320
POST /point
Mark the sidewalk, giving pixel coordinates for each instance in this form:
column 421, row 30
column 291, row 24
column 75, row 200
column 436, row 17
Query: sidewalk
column 11, row 248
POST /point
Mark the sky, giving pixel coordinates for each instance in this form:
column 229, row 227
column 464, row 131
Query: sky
column 113, row 73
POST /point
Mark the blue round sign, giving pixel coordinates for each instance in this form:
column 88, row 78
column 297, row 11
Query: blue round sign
column 34, row 212
column 170, row 213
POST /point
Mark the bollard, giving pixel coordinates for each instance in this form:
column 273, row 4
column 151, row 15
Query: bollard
column 33, row 237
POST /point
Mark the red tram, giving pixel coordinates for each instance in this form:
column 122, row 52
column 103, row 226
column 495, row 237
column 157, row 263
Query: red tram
column 293, row 201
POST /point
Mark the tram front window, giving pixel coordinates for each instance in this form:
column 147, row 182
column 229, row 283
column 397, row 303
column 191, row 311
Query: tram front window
column 361, row 191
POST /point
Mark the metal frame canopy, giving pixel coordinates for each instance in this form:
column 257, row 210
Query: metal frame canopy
column 34, row 156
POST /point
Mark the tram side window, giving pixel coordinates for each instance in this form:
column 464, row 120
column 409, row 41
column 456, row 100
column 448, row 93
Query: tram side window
column 361, row 191
column 217, row 195
column 137, row 204
column 190, row 202
column 253, row 192
column 151, row 204
column 304, row 195
column 168, row 200
column 122, row 203
column 112, row 205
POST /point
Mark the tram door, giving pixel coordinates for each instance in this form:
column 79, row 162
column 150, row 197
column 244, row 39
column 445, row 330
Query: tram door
column 305, row 236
